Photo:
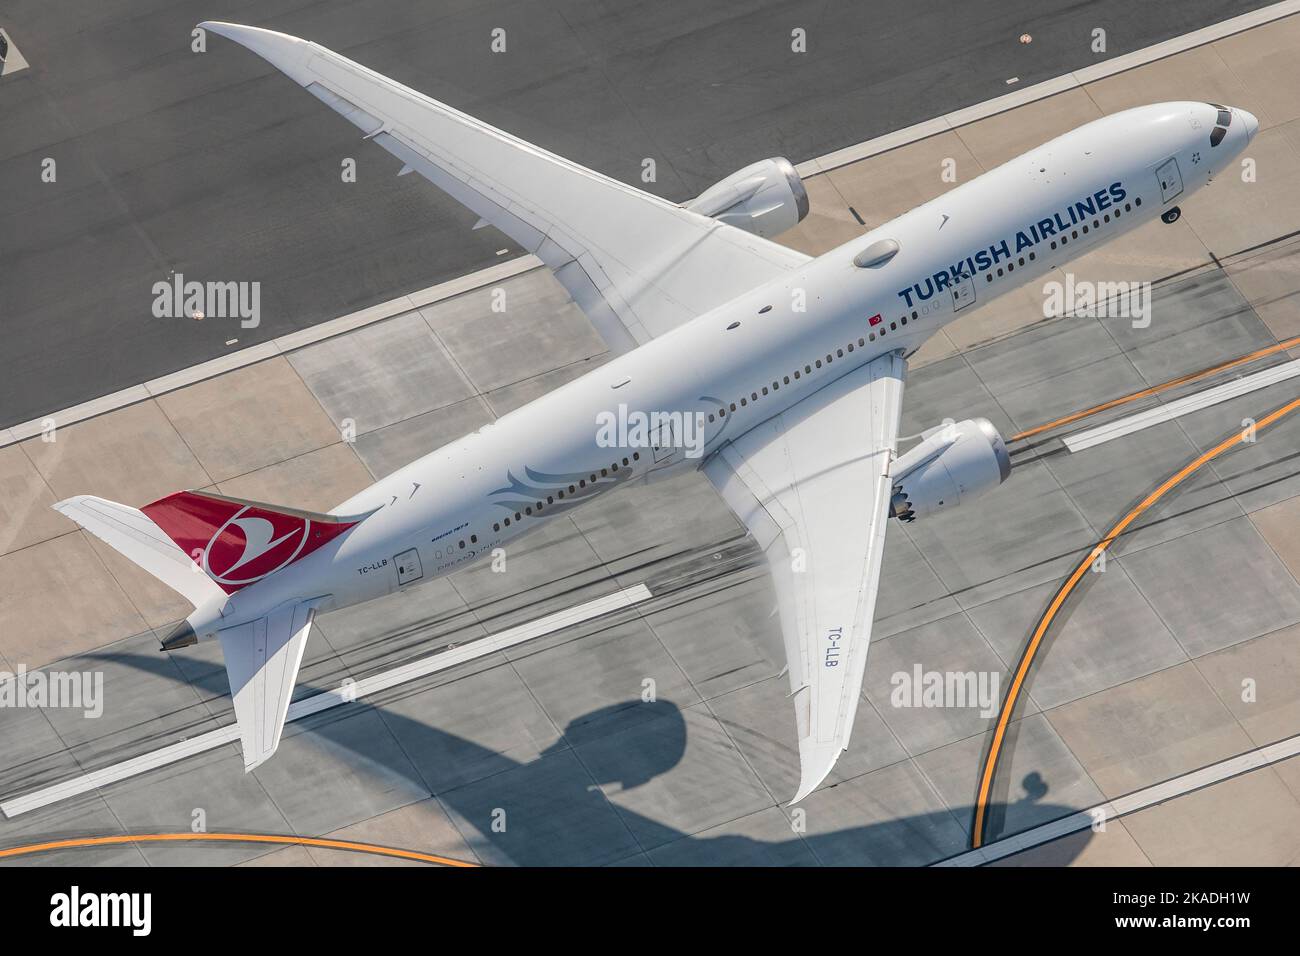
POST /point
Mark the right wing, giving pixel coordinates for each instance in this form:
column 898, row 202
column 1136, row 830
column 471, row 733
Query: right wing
column 636, row 264
column 812, row 485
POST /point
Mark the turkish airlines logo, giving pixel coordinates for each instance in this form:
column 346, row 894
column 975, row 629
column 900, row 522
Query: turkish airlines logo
column 237, row 543
column 249, row 547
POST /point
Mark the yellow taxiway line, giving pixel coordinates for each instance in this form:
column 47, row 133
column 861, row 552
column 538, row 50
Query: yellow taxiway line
column 1049, row 615
column 1156, row 389
column 355, row 847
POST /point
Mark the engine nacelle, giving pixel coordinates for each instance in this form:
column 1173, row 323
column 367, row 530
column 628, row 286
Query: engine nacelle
column 952, row 464
column 766, row 199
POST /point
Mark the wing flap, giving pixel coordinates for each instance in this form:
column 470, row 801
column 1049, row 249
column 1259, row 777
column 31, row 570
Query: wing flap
column 812, row 485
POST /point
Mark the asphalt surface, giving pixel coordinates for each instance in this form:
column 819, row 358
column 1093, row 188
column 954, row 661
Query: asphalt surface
column 217, row 168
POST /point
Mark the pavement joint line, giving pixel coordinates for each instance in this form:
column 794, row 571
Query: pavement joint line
column 1183, row 406
column 505, row 270
column 1122, row 806
column 326, row 700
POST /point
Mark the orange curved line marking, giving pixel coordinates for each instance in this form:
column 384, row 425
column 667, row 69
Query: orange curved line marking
column 1156, row 389
column 1036, row 641
column 372, row 848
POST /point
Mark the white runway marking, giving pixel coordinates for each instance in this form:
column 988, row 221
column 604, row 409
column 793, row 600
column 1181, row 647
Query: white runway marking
column 13, row 61
column 1139, row 800
column 1183, row 406
column 335, row 698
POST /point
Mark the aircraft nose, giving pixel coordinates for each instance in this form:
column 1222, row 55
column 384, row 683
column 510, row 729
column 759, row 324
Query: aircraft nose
column 1252, row 124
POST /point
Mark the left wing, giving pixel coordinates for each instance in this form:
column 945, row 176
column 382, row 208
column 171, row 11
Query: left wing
column 636, row 264
column 812, row 485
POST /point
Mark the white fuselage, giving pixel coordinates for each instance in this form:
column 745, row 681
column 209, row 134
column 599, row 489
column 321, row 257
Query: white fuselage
column 958, row 252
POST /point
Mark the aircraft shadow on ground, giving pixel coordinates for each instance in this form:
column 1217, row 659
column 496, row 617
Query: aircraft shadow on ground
column 541, row 790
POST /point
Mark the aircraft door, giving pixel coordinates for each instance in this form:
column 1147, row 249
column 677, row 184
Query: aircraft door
column 1171, row 181
column 408, row 567
column 663, row 444
column 963, row 293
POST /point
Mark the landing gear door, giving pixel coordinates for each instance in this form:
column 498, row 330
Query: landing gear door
column 963, row 293
column 1171, row 181
column 408, row 567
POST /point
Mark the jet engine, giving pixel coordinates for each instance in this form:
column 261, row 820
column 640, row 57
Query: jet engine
column 953, row 463
column 766, row 199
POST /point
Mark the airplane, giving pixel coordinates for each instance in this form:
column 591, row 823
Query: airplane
column 777, row 375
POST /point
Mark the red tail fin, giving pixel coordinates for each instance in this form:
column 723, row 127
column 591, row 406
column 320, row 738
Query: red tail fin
column 236, row 542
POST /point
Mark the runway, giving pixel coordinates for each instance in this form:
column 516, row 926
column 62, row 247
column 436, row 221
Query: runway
column 658, row 733
column 161, row 167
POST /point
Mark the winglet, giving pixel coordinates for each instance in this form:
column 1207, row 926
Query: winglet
column 816, row 761
column 286, row 53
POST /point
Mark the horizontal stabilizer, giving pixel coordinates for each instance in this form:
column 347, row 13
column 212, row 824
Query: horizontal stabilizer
column 262, row 661
column 135, row 535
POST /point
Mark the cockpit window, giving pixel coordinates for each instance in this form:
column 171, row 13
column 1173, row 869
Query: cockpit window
column 1223, row 121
